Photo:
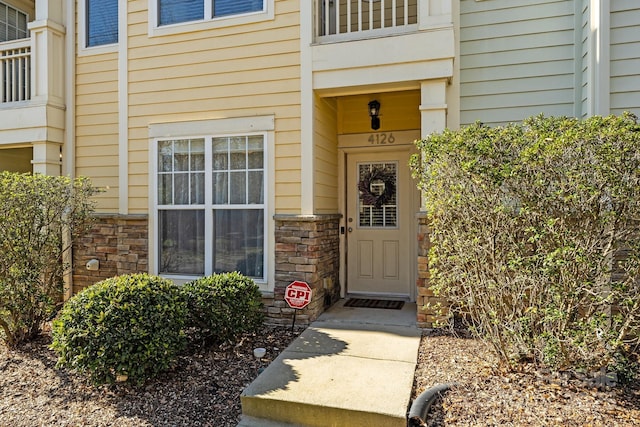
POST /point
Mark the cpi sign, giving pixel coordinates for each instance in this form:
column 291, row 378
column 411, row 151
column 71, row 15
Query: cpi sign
column 297, row 295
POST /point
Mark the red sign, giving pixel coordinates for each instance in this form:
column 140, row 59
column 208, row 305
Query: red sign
column 297, row 294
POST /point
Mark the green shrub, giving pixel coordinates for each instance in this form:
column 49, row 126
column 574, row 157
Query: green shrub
column 535, row 237
column 123, row 327
column 222, row 306
column 40, row 217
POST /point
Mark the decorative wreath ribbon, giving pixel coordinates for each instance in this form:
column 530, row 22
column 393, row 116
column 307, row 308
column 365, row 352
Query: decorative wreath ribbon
column 377, row 174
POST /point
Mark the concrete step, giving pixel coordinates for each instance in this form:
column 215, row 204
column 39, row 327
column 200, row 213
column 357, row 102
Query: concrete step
column 261, row 422
column 338, row 375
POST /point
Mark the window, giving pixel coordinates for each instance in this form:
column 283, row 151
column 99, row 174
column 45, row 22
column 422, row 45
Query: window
column 236, row 7
column 13, row 24
column 177, row 11
column 101, row 22
column 377, row 201
column 211, row 205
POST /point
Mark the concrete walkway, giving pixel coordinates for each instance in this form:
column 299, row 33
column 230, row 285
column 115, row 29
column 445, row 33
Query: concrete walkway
column 352, row 367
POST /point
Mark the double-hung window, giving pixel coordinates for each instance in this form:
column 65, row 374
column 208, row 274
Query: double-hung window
column 177, row 11
column 211, row 205
column 101, row 19
column 13, row 23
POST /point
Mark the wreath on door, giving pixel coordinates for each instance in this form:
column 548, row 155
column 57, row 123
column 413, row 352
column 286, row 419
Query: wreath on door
column 377, row 176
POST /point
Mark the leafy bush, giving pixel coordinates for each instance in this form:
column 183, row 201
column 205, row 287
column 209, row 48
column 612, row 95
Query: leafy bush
column 123, row 327
column 222, row 306
column 535, row 236
column 40, row 217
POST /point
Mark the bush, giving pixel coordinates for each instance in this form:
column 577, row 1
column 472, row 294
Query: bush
column 127, row 327
column 40, row 217
column 222, row 306
column 535, row 236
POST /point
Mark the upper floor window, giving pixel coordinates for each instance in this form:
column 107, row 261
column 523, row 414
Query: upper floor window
column 13, row 23
column 101, row 22
column 177, row 11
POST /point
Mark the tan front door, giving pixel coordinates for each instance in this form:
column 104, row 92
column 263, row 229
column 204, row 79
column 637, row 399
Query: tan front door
column 378, row 224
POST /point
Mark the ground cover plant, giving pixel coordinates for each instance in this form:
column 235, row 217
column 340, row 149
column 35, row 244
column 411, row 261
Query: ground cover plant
column 534, row 232
column 40, row 217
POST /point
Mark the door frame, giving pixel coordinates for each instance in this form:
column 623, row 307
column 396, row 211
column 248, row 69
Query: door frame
column 370, row 143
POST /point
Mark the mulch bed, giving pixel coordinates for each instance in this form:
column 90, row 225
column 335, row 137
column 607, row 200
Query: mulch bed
column 204, row 389
column 483, row 395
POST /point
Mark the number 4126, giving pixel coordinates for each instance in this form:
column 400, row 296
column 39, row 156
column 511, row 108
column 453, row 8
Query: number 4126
column 381, row 138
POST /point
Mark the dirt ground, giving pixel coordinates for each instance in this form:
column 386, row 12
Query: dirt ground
column 204, row 389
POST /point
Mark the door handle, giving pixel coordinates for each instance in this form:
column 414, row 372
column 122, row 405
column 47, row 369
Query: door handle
column 350, row 229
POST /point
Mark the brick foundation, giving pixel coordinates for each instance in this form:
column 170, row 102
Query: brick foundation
column 307, row 249
column 118, row 242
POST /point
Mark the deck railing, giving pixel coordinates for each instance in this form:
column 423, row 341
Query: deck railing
column 15, row 71
column 360, row 17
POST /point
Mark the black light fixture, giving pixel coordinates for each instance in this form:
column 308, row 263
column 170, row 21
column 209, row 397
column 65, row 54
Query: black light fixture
column 374, row 112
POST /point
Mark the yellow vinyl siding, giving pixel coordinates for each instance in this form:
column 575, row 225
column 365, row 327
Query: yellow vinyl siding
column 97, row 126
column 235, row 71
column 16, row 159
column 326, row 156
column 398, row 111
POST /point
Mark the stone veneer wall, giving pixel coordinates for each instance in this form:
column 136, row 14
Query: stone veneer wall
column 118, row 242
column 426, row 300
column 307, row 248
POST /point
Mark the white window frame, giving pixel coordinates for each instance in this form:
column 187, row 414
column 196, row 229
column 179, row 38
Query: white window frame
column 209, row 129
column 83, row 49
column 16, row 9
column 207, row 23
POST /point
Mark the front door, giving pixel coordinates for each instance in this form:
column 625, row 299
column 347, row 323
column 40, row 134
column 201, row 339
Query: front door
column 378, row 224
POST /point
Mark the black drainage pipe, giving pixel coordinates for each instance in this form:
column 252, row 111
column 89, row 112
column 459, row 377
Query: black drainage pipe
column 422, row 403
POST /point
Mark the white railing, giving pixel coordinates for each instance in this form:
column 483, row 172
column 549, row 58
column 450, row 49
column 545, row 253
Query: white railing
column 15, row 71
column 356, row 17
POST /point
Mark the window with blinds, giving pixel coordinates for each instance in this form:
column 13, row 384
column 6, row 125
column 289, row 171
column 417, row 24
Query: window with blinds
column 102, row 22
column 177, row 11
column 13, row 23
column 377, row 201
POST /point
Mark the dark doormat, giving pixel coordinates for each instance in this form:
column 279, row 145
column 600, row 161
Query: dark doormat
column 374, row 303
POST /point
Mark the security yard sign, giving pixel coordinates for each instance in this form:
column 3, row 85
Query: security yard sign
column 297, row 295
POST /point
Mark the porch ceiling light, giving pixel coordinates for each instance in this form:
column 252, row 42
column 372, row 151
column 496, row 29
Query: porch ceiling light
column 374, row 112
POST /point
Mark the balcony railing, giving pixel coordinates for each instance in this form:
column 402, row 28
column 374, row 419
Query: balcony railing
column 353, row 18
column 15, row 71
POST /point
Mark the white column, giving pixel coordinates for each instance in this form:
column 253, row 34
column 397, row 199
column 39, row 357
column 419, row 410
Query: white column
column 433, row 110
column 433, row 106
column 46, row 158
column 307, row 171
column 434, row 13
column 598, row 101
column 48, row 53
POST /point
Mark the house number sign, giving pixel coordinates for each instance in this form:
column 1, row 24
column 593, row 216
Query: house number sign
column 381, row 138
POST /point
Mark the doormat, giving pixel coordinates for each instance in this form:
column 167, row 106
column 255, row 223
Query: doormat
column 374, row 303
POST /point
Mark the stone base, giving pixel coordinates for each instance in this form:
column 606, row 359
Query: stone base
column 428, row 304
column 118, row 242
column 307, row 250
